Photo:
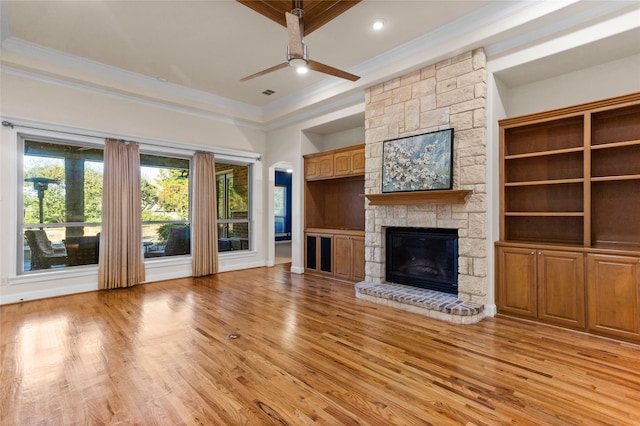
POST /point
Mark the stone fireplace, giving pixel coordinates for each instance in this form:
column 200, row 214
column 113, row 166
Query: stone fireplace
column 449, row 94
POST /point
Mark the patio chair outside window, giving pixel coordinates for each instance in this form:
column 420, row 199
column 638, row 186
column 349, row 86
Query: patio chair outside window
column 43, row 256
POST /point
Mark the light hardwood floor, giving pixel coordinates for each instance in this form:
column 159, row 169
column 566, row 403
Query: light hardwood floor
column 308, row 352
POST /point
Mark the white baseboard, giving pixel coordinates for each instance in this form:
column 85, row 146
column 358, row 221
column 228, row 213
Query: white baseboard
column 490, row 310
column 239, row 266
column 46, row 293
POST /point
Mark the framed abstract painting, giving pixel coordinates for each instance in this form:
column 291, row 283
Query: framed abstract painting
column 418, row 163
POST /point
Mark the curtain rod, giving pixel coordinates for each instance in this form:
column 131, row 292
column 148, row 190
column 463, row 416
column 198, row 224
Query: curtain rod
column 157, row 143
column 12, row 125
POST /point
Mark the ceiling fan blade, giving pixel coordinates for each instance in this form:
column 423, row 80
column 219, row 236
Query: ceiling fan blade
column 295, row 36
column 317, row 66
column 267, row 71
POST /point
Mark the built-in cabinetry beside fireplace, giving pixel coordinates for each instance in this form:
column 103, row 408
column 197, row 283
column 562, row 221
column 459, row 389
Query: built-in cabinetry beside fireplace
column 334, row 213
column 569, row 252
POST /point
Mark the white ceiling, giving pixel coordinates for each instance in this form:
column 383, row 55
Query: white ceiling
column 201, row 49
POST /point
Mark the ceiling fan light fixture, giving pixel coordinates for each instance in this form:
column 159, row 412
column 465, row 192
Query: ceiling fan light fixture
column 299, row 64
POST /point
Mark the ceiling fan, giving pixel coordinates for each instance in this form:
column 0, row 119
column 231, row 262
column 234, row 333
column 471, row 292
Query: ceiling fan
column 297, row 52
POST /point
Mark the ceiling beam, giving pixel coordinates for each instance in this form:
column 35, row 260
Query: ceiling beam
column 316, row 12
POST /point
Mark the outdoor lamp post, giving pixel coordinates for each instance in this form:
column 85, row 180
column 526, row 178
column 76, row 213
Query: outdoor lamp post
column 41, row 184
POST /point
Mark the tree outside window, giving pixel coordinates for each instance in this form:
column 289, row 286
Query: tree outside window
column 165, row 206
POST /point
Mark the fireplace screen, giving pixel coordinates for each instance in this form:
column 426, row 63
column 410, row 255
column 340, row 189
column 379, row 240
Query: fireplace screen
column 423, row 257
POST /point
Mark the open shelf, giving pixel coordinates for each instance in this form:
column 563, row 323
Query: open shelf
column 568, row 165
column 335, row 203
column 567, row 198
column 545, row 182
column 615, row 178
column 615, row 125
column 616, row 144
column 621, row 160
column 616, row 207
column 541, row 138
column 546, row 229
column 543, row 153
column 545, row 214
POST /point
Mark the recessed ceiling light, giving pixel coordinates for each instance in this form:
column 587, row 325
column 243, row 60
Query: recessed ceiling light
column 378, row 24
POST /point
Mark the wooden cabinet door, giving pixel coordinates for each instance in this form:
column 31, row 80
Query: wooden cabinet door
column 318, row 167
column 613, row 295
column 357, row 258
column 348, row 162
column 325, row 166
column 342, row 163
column 517, row 282
column 348, row 255
column 357, row 161
column 342, row 256
column 561, row 288
column 311, row 169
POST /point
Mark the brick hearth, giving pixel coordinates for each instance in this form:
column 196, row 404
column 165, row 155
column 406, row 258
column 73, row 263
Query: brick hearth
column 432, row 304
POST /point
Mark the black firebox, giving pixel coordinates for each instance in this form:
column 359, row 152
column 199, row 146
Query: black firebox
column 423, row 257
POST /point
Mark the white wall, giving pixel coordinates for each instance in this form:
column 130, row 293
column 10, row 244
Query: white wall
column 84, row 108
column 603, row 81
column 344, row 138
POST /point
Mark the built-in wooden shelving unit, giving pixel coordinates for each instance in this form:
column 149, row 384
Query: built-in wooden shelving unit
column 334, row 213
column 569, row 249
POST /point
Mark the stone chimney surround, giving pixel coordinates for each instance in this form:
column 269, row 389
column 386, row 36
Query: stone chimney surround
column 449, row 94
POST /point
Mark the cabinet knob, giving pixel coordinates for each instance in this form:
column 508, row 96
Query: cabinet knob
column 539, row 252
column 533, row 252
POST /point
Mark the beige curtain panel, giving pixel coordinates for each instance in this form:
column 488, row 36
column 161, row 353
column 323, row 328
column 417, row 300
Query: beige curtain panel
column 121, row 263
column 204, row 235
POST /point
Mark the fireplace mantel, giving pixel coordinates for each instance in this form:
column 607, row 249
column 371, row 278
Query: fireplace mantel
column 418, row 197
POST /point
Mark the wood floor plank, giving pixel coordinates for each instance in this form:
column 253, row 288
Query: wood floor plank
column 309, row 352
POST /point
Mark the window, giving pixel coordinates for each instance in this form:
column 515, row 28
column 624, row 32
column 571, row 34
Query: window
column 280, row 209
column 62, row 205
column 164, row 185
column 233, row 206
